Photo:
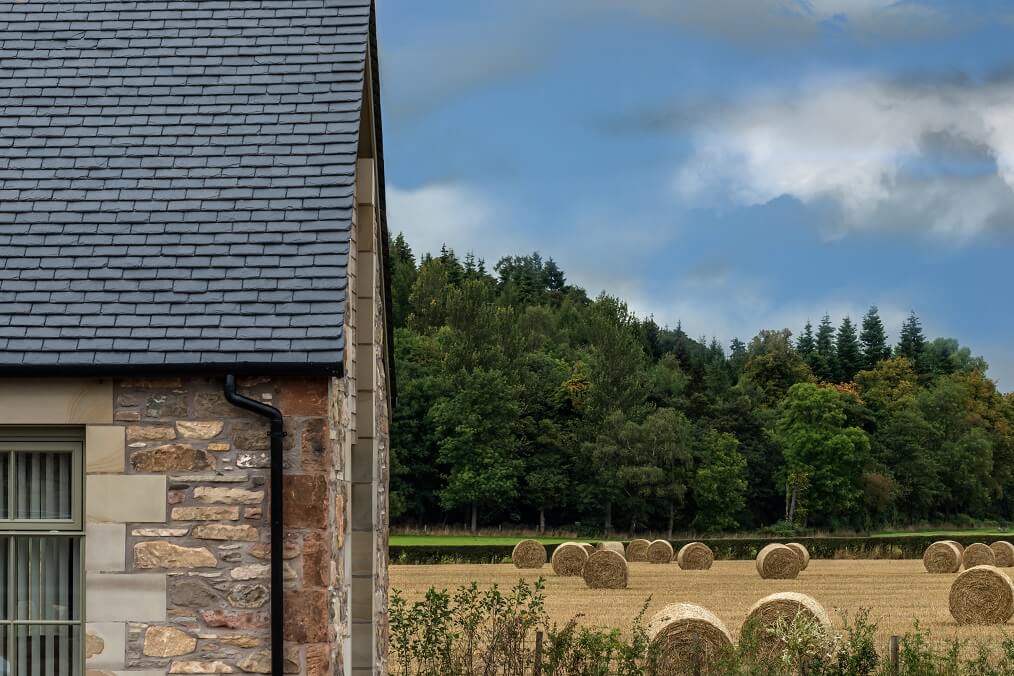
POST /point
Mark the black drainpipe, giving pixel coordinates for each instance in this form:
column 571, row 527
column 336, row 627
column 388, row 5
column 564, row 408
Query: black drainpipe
column 277, row 546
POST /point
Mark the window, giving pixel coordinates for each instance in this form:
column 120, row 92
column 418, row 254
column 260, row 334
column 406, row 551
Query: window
column 40, row 554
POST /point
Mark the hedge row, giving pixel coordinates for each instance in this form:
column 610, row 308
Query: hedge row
column 902, row 547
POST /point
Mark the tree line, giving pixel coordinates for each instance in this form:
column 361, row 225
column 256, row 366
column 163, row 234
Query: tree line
column 521, row 400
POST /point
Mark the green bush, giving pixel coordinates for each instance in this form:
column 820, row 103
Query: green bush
column 473, row 632
column 576, row 649
column 898, row 547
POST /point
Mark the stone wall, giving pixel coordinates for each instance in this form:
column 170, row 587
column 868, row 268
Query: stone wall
column 213, row 546
column 177, row 551
column 382, row 471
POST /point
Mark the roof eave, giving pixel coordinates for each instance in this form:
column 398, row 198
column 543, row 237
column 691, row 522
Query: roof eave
column 378, row 135
column 190, row 369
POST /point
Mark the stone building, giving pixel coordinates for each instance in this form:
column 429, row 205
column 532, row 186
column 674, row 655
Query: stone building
column 195, row 353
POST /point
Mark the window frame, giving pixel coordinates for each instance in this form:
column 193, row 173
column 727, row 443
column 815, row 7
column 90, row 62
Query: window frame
column 62, row 440
column 72, row 448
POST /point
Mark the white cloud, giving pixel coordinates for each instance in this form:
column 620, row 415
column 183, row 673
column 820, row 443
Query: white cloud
column 595, row 252
column 432, row 215
column 882, row 153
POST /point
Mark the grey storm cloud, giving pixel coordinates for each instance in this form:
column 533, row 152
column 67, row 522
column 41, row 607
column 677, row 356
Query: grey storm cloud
column 523, row 38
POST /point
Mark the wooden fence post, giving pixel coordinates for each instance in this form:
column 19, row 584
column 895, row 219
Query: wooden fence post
column 895, row 663
column 537, row 671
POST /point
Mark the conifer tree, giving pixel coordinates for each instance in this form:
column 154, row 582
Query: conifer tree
column 912, row 343
column 873, row 339
column 805, row 346
column 737, row 355
column 849, row 359
column 403, row 274
column 824, row 358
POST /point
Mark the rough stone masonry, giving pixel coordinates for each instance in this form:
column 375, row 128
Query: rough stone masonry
column 213, row 546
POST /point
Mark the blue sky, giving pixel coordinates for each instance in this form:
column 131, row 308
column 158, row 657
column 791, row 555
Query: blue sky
column 731, row 164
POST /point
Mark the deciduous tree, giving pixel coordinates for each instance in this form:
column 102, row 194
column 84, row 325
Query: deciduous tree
column 817, row 444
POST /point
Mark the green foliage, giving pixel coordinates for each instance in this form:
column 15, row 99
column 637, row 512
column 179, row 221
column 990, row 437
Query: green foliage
column 471, row 632
column 945, row 356
column 848, row 359
column 912, row 342
column 403, row 276
column 725, row 548
column 475, row 632
column 720, row 483
column 819, row 446
column 824, row 363
column 773, row 366
column 475, row 424
column 578, row 649
column 522, row 401
column 874, row 339
column 857, row 650
column 806, row 345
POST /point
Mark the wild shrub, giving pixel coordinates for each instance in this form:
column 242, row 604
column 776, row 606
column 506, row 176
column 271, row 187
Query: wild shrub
column 473, row 632
column 576, row 650
column 484, row 632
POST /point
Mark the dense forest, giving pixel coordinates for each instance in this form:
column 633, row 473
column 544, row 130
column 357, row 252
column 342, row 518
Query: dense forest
column 522, row 401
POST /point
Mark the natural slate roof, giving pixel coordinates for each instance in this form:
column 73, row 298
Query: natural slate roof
column 176, row 180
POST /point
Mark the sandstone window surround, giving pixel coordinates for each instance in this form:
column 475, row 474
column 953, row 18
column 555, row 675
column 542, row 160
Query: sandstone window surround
column 41, row 538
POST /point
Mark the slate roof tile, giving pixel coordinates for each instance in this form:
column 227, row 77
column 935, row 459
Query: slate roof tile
column 176, row 180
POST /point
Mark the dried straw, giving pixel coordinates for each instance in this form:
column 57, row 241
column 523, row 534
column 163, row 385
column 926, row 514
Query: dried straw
column 529, row 554
column 637, row 550
column 942, row 557
column 569, row 559
column 659, row 551
column 978, row 555
column 777, row 562
column 982, row 595
column 961, row 547
column 1004, row 553
column 588, row 548
column 687, row 639
column 613, row 547
column 802, row 552
column 605, row 569
column 695, row 556
column 781, row 607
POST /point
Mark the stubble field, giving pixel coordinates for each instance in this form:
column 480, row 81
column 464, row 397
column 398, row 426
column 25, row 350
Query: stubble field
column 895, row 592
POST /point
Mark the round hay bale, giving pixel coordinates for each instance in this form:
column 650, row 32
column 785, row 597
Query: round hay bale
column 686, row 639
column 569, row 559
column 605, row 569
column 613, row 547
column 695, row 556
column 637, row 550
column 1004, row 553
column 529, row 554
column 961, row 547
column 777, row 562
column 982, row 595
column 588, row 548
column 784, row 607
column 942, row 557
column 978, row 555
column 659, row 551
column 802, row 552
